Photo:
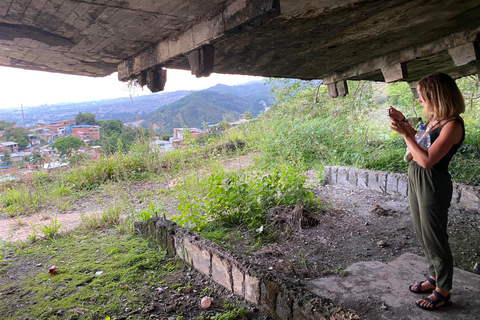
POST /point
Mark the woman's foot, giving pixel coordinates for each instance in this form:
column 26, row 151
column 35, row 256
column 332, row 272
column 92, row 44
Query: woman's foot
column 438, row 299
column 424, row 286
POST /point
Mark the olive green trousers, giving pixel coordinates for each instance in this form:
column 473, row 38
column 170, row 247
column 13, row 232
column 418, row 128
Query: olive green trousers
column 429, row 193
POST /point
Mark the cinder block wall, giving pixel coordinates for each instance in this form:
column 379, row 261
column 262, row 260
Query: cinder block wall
column 464, row 196
column 276, row 296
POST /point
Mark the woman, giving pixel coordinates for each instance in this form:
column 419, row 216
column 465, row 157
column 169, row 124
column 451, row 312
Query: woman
column 429, row 183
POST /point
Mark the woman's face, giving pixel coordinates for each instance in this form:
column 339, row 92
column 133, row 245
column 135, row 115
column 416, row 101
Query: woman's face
column 421, row 100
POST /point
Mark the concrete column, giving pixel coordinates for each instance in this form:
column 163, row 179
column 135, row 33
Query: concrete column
column 337, row 89
column 142, row 79
column 413, row 88
column 156, row 79
column 201, row 61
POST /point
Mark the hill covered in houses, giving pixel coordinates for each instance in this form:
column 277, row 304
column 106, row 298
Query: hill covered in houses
column 131, row 109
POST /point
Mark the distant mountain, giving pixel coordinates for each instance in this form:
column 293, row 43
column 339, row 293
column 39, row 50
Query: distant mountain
column 210, row 106
column 163, row 111
column 125, row 109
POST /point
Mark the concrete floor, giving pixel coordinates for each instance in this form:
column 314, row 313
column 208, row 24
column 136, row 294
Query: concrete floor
column 381, row 290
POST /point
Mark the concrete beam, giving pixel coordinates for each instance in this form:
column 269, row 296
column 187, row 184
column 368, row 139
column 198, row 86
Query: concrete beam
column 395, row 73
column 236, row 14
column 461, row 41
column 464, row 54
column 201, row 61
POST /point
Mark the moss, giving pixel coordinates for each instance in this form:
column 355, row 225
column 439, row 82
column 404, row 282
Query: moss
column 76, row 290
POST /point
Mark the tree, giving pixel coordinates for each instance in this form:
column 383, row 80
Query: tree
column 66, row 144
column 85, row 118
column 7, row 158
column 165, row 136
column 17, row 135
column 5, row 124
column 247, row 115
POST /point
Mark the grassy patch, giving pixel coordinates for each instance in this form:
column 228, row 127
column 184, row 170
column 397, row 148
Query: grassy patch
column 97, row 276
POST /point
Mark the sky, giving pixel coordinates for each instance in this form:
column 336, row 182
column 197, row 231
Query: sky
column 33, row 88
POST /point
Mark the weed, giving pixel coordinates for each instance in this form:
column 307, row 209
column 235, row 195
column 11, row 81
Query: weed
column 150, row 212
column 50, row 230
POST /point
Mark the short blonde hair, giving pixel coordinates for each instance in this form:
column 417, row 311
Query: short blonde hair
column 442, row 95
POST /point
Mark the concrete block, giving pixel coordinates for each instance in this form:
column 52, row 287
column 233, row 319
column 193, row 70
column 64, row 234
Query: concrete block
column 284, row 306
column 238, row 279
column 326, row 174
column 220, row 272
column 392, row 183
column 464, row 54
column 334, row 175
column 402, row 187
column 469, row 197
column 342, row 88
column 395, row 72
column 180, row 248
column 252, row 289
column 200, row 259
column 456, row 193
column 342, row 176
column 377, row 181
column 362, row 179
column 268, row 297
column 352, row 176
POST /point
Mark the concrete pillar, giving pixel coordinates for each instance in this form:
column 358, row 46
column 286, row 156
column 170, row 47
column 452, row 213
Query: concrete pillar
column 395, row 72
column 156, row 79
column 142, row 79
column 413, row 88
column 201, row 61
column 337, row 89
column 464, row 53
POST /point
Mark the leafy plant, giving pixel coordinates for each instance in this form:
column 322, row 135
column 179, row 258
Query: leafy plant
column 49, row 230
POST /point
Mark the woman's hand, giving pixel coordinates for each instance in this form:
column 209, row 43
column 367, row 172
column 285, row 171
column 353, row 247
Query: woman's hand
column 398, row 128
column 395, row 115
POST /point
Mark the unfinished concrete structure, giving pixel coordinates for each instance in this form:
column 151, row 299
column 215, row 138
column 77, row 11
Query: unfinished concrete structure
column 333, row 40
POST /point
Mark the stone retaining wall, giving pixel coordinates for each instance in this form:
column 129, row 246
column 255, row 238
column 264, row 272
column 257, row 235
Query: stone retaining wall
column 464, row 196
column 276, row 296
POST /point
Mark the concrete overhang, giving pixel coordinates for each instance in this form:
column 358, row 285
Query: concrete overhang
column 333, row 40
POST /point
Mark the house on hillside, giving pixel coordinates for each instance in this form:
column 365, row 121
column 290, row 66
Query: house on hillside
column 161, row 145
column 13, row 146
column 194, row 132
column 85, row 133
column 33, row 139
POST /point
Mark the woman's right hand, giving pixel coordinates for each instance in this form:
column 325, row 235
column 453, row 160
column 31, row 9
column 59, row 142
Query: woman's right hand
column 395, row 115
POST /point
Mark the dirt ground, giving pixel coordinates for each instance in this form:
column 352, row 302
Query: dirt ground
column 356, row 225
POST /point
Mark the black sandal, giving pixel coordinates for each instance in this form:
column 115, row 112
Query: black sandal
column 435, row 303
column 419, row 285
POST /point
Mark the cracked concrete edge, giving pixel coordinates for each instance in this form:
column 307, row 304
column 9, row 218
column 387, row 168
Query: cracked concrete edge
column 464, row 196
column 275, row 295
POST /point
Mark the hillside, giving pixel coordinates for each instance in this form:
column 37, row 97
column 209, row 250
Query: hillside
column 210, row 106
column 252, row 97
column 125, row 109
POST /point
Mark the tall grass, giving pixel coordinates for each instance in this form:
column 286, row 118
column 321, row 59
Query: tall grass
column 353, row 130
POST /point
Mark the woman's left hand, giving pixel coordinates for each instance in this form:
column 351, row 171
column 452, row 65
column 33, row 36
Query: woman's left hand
column 398, row 128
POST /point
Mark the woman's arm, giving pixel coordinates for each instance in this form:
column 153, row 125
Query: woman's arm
column 450, row 135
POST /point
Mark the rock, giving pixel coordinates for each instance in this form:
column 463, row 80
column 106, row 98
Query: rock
column 382, row 243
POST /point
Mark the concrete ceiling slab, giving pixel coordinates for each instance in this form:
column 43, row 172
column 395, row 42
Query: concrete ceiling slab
column 334, row 40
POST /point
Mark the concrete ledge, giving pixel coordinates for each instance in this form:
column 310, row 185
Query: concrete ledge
column 276, row 296
column 464, row 196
